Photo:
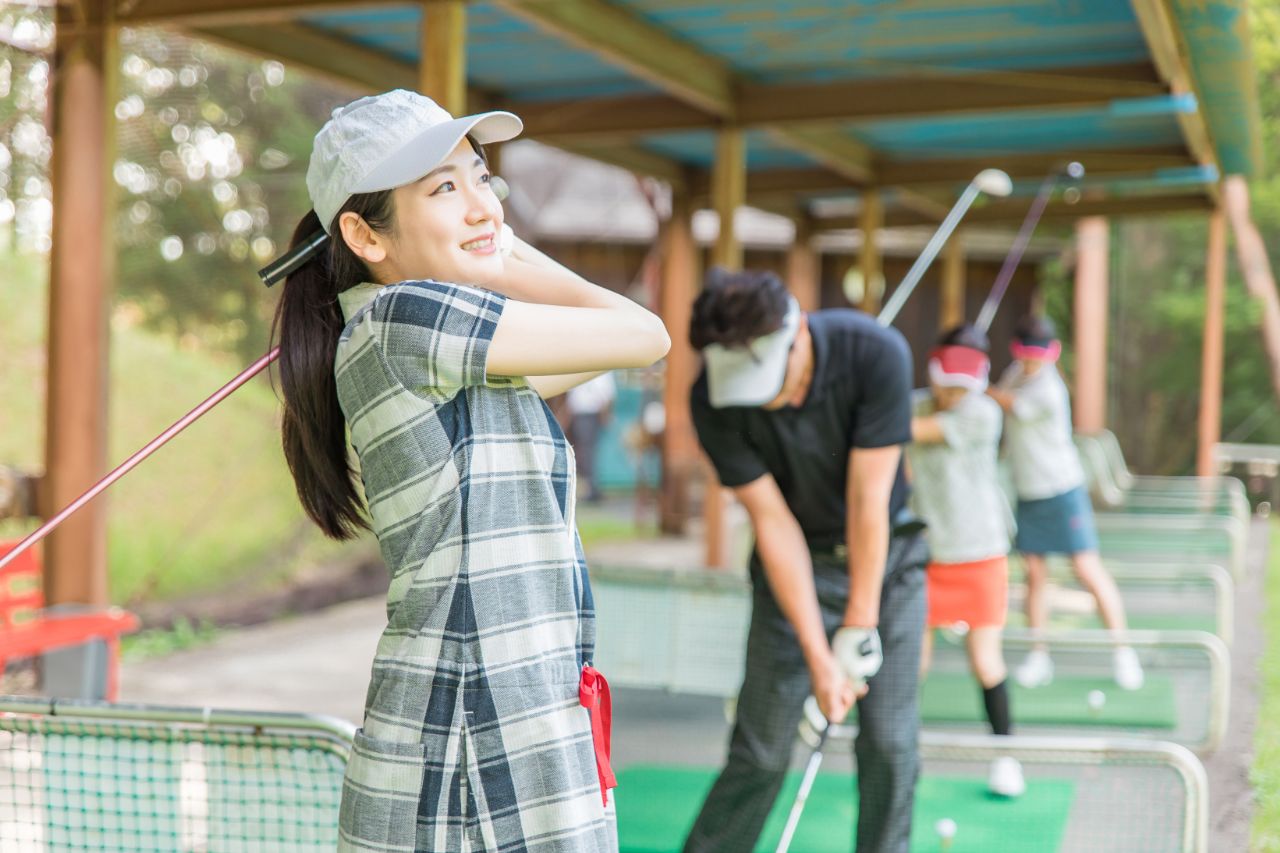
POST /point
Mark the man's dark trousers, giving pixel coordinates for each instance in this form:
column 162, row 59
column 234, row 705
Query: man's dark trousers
column 771, row 701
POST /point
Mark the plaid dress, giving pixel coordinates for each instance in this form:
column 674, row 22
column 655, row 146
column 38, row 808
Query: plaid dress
column 473, row 736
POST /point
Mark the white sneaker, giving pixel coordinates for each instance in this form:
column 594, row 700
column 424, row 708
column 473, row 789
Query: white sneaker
column 1128, row 669
column 1006, row 777
column 1036, row 670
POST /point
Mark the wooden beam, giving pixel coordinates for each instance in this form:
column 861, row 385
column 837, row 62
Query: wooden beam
column 80, row 271
column 651, row 53
column 606, row 119
column 1169, row 55
column 788, row 181
column 442, row 67
column 844, row 101
column 633, row 158
column 849, row 158
column 1006, row 212
column 926, row 204
column 188, row 13
column 915, row 173
column 935, row 94
column 1012, row 211
column 316, row 52
column 1209, row 430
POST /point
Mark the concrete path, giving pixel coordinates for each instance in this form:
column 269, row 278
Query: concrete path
column 318, row 663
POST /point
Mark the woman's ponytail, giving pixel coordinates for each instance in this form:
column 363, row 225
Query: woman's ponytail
column 308, row 323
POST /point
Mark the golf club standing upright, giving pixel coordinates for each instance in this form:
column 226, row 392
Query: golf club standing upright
column 990, row 181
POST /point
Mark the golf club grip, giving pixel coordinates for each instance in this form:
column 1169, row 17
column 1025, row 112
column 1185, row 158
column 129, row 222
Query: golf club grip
column 802, row 795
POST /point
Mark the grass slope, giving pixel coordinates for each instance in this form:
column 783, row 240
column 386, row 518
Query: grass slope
column 214, row 509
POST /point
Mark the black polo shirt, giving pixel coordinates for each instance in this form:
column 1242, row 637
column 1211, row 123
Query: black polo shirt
column 860, row 396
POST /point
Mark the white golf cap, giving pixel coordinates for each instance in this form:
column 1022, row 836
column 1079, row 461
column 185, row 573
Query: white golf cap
column 751, row 375
column 386, row 141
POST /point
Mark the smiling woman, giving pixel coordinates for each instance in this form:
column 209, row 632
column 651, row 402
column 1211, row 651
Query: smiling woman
column 429, row 334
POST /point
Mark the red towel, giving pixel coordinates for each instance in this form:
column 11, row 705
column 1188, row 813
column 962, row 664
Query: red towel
column 593, row 693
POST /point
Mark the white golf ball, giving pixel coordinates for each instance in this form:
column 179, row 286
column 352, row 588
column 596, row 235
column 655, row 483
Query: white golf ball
column 946, row 828
column 1097, row 699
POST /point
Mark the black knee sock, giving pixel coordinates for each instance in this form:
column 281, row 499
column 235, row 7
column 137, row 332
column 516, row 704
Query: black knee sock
column 997, row 701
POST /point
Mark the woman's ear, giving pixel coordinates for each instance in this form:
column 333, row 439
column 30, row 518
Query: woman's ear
column 365, row 243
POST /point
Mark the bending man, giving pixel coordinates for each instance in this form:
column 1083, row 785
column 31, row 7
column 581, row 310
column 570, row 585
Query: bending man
column 804, row 417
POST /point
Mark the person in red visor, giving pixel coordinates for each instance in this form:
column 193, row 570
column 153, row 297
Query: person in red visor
column 1054, row 514
column 955, row 432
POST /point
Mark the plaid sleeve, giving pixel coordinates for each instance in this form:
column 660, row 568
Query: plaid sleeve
column 436, row 336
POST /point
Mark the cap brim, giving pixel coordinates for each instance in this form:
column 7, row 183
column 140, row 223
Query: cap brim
column 424, row 152
column 751, row 375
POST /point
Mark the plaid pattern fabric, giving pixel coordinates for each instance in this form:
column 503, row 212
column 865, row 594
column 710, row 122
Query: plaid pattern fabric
column 473, row 736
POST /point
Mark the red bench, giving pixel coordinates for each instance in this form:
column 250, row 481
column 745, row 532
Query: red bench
column 27, row 629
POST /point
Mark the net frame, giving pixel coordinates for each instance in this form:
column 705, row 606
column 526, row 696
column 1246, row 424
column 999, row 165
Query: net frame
column 206, row 763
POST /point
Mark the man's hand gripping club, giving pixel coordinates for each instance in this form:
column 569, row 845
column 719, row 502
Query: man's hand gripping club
column 840, row 678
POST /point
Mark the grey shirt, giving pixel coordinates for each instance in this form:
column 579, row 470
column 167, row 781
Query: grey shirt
column 1039, row 441
column 954, row 483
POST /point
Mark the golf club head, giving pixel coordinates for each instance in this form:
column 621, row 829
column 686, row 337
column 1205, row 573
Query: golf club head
column 1074, row 170
column 993, row 182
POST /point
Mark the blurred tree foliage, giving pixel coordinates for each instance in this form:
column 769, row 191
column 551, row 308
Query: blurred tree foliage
column 209, row 164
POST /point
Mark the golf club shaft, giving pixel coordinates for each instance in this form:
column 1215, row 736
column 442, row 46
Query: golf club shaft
column 1020, row 242
column 133, row 461
column 908, row 285
column 797, row 808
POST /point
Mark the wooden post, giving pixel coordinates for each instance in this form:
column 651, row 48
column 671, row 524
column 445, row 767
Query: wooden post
column 79, row 294
column 1215, row 295
column 442, row 70
column 728, row 193
column 1255, row 266
column 804, row 268
column 680, row 457
column 870, row 261
column 951, row 306
column 1091, row 324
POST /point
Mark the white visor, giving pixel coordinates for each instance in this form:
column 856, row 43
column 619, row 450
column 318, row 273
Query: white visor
column 753, row 374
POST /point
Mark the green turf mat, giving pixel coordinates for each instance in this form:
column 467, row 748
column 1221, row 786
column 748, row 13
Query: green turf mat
column 1137, row 621
column 953, row 697
column 657, row 805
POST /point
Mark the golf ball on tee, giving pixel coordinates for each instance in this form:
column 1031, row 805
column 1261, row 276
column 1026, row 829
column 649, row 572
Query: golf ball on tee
column 946, row 828
column 1097, row 699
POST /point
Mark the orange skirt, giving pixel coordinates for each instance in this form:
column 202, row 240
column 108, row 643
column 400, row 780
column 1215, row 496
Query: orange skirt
column 975, row 593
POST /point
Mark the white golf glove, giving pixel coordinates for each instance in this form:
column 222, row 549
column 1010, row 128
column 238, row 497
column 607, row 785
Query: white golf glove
column 506, row 240
column 859, row 653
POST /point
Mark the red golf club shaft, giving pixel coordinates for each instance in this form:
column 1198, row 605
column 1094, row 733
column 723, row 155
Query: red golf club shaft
column 133, row 461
